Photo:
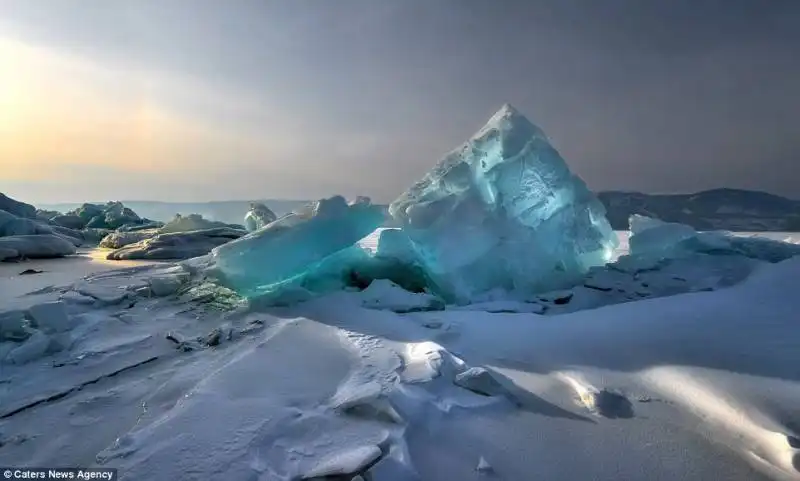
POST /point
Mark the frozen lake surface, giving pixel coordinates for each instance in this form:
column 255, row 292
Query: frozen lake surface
column 699, row 385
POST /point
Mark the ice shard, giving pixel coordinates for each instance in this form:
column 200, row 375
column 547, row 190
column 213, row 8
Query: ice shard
column 310, row 241
column 504, row 211
column 258, row 216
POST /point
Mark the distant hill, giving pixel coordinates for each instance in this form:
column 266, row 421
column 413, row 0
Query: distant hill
column 726, row 209
column 723, row 209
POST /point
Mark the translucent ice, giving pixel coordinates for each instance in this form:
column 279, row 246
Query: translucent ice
column 654, row 239
column 287, row 250
column 258, row 216
column 504, row 211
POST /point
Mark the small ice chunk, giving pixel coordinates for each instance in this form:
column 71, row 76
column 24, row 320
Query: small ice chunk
column 258, row 216
column 345, row 462
column 480, row 381
column 165, row 285
column 423, row 361
column 51, row 317
column 76, row 298
column 12, row 325
column 483, row 466
column 104, row 295
column 34, row 348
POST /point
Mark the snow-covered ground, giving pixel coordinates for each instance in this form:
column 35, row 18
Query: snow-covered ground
column 161, row 384
column 54, row 272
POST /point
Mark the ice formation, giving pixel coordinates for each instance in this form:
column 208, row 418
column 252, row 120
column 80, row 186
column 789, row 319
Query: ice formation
column 316, row 240
column 258, row 216
column 654, row 239
column 192, row 222
column 504, row 211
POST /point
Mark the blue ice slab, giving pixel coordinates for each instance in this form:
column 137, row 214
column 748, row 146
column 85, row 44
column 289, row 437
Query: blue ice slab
column 294, row 246
column 655, row 239
column 504, row 211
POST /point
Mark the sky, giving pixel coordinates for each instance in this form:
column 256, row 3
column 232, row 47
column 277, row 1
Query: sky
column 195, row 100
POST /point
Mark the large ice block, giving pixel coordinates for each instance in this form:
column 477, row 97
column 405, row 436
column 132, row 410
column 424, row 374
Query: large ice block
column 504, row 211
column 294, row 246
column 654, row 239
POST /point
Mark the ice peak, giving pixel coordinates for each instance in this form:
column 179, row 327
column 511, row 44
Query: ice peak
column 506, row 112
column 507, row 109
column 509, row 119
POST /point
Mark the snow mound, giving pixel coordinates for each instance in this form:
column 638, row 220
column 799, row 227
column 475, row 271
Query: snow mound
column 385, row 294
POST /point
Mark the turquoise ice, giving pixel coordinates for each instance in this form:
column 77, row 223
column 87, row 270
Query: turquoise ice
column 504, row 211
column 285, row 252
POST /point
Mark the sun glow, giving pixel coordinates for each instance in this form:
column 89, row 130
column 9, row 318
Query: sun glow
column 59, row 112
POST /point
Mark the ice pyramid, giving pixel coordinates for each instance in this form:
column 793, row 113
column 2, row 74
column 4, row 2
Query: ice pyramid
column 504, row 211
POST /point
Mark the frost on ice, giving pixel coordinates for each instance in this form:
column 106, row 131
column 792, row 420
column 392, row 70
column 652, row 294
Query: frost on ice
column 504, row 211
column 313, row 241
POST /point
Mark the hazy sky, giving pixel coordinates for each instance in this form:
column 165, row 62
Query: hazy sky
column 208, row 100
